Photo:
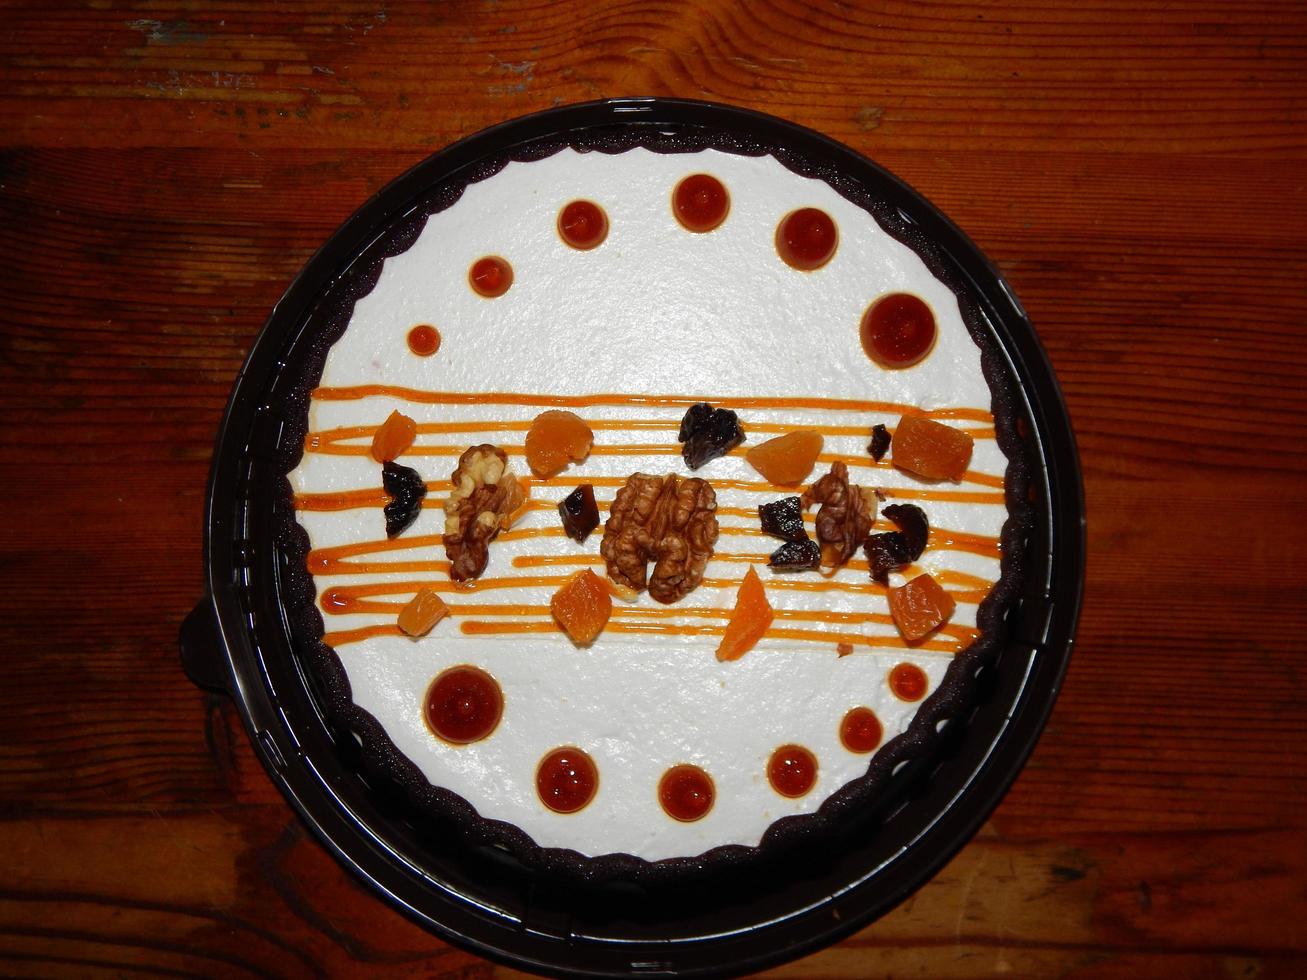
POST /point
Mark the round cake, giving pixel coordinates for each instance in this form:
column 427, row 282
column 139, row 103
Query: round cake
column 649, row 496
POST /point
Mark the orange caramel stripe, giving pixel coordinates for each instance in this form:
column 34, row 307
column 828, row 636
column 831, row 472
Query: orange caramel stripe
column 640, row 449
column 325, row 561
column 476, row 627
column 323, row 441
column 376, row 497
column 423, row 397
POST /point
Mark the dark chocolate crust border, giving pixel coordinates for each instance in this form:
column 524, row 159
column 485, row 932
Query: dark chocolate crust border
column 949, row 703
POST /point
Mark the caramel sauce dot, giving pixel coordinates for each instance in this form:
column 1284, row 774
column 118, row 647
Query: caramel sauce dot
column 898, row 330
column 463, row 704
column 567, row 779
column 908, row 682
column 700, row 202
column 806, row 238
column 686, row 793
column 490, row 276
column 582, row 225
column 860, row 730
column 424, row 340
column 792, row 770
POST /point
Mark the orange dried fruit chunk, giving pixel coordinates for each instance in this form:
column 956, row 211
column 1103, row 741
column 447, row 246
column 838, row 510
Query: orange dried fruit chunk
column 582, row 606
column 749, row 619
column 393, row 437
column 786, row 460
column 555, row 438
column 930, row 449
column 423, row 611
column 919, row 607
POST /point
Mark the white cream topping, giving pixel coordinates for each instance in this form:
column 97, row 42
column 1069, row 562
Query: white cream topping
column 654, row 309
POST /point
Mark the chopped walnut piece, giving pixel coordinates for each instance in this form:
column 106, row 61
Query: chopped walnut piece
column 669, row 520
column 485, row 497
column 846, row 515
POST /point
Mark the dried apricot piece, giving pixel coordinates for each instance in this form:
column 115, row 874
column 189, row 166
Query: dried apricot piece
column 582, row 606
column 919, row 607
column 423, row 611
column 786, row 460
column 749, row 619
column 931, row 449
column 393, row 437
column 555, row 438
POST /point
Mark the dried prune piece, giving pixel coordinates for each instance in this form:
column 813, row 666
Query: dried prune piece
column 694, row 419
column 707, row 433
column 579, row 512
column 406, row 491
column 911, row 520
column 796, row 556
column 783, row 518
column 893, row 550
column 879, row 444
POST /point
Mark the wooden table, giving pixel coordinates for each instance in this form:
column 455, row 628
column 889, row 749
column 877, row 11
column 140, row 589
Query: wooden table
column 1135, row 169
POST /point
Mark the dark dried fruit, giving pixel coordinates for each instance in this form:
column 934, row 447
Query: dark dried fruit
column 893, row 550
column 707, row 433
column 579, row 512
column 694, row 419
column 406, row 491
column 912, row 521
column 783, row 519
column 796, row 556
column 879, row 444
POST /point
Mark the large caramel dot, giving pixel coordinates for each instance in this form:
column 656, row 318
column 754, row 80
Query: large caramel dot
column 898, row 330
column 686, row 793
column 490, row 276
column 567, row 779
column 792, row 770
column 700, row 202
column 583, row 225
column 463, row 704
column 860, row 730
column 806, row 238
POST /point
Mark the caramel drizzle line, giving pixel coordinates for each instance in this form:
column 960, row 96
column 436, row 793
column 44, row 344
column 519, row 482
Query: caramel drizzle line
column 662, row 612
column 348, row 599
column 421, row 397
column 480, row 627
column 376, row 496
column 651, row 449
column 332, row 560
column 329, row 440
column 939, row 540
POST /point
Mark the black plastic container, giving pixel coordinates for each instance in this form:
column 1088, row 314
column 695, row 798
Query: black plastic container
column 238, row 641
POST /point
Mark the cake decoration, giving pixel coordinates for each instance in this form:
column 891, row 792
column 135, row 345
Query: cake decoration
column 686, row 793
column 651, row 362
column 807, row 238
column 792, row 771
column 700, row 203
column 424, row 340
column 490, row 276
column 583, row 225
column 898, row 330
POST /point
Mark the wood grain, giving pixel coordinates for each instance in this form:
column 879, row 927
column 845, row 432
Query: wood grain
column 1134, row 170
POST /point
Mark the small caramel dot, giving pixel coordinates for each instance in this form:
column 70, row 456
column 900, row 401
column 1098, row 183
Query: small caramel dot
column 908, row 682
column 490, row 276
column 424, row 340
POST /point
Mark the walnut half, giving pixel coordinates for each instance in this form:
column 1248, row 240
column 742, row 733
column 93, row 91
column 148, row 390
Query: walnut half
column 846, row 515
column 669, row 520
column 485, row 495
